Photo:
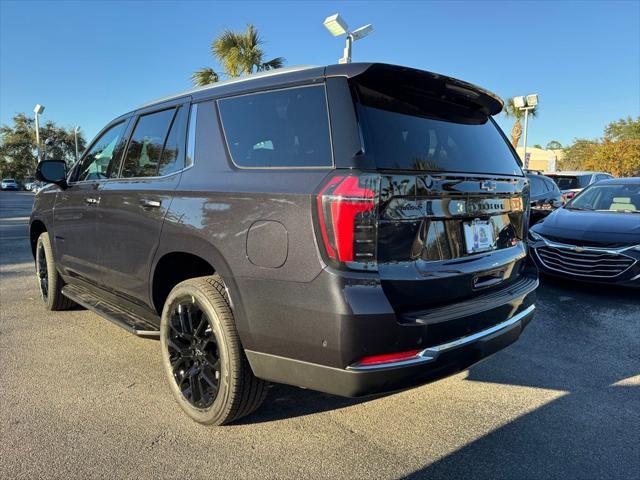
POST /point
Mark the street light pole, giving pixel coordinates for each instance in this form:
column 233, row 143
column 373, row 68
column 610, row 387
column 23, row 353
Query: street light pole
column 75, row 138
column 38, row 109
column 337, row 27
column 526, row 128
column 526, row 103
column 346, row 56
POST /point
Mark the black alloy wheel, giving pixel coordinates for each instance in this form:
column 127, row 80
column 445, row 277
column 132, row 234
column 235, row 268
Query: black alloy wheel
column 194, row 354
column 206, row 367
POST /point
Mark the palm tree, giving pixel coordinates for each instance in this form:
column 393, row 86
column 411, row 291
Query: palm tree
column 511, row 111
column 239, row 53
column 204, row 76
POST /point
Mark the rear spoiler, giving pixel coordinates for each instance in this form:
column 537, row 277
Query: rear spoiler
column 409, row 84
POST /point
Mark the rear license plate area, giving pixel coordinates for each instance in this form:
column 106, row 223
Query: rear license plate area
column 478, row 236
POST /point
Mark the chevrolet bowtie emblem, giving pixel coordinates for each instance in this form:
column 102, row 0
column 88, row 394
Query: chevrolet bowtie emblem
column 488, row 185
column 578, row 249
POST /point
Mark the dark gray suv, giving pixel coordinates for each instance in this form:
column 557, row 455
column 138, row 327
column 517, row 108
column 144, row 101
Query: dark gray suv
column 353, row 229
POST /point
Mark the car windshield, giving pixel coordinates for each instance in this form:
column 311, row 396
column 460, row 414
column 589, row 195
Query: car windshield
column 9, row 180
column 570, row 182
column 610, row 197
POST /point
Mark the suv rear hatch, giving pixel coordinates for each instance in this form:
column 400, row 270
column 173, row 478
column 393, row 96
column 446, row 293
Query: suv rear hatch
column 440, row 206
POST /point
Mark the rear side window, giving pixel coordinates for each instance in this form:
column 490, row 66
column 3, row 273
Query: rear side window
column 281, row 128
column 153, row 148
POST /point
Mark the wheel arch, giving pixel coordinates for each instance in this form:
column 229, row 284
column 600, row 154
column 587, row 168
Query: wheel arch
column 36, row 228
column 197, row 259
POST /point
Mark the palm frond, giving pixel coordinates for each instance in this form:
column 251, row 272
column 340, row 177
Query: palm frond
column 272, row 64
column 204, row 76
column 240, row 53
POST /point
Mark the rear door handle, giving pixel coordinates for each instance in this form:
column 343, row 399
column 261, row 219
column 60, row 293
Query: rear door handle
column 146, row 203
column 91, row 201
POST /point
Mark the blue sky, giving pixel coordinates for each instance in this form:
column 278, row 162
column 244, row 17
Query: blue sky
column 88, row 62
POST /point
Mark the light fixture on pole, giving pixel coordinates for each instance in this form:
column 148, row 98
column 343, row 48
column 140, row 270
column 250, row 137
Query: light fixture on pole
column 338, row 27
column 526, row 103
column 38, row 109
column 75, row 138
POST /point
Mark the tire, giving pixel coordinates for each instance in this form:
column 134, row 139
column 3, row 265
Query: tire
column 49, row 280
column 200, row 348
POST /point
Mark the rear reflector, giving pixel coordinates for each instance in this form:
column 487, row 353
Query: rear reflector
column 388, row 358
column 347, row 217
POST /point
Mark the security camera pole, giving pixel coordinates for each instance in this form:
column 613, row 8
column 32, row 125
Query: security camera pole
column 526, row 103
column 38, row 109
column 337, row 27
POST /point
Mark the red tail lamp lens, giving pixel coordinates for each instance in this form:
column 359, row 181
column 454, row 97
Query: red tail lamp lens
column 388, row 358
column 347, row 217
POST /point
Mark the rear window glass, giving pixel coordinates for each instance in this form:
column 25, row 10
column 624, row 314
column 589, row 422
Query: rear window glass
column 538, row 187
column 403, row 141
column 572, row 181
column 281, row 128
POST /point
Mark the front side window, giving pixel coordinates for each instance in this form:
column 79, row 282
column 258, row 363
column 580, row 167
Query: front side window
column 281, row 128
column 100, row 161
column 146, row 154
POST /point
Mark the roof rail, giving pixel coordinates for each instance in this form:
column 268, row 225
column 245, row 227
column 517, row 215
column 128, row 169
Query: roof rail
column 230, row 81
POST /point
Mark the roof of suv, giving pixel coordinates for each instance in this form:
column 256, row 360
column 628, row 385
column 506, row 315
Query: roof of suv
column 621, row 181
column 574, row 172
column 441, row 85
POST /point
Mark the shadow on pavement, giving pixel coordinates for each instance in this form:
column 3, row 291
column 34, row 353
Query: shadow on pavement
column 593, row 430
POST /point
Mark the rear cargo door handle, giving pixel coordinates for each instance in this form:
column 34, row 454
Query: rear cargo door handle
column 146, row 203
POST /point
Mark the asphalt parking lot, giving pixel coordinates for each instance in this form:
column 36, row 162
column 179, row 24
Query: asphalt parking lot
column 81, row 398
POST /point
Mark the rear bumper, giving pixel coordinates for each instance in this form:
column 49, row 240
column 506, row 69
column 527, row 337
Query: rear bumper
column 430, row 364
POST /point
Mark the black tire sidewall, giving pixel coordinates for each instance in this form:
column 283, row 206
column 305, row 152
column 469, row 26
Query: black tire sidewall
column 216, row 411
column 43, row 247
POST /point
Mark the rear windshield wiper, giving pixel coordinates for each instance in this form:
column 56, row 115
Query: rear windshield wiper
column 580, row 208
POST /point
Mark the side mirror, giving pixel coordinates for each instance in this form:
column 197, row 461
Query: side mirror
column 52, row 171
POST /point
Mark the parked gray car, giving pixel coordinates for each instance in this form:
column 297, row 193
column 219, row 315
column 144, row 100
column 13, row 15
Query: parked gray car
column 352, row 229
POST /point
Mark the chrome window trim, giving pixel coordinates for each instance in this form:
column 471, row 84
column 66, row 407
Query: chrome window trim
column 431, row 354
column 192, row 123
column 261, row 92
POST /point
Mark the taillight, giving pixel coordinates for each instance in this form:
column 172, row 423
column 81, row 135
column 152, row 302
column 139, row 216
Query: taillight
column 388, row 358
column 347, row 217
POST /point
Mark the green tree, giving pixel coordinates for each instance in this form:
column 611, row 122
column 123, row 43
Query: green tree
column 577, row 154
column 204, row 76
column 511, row 111
column 623, row 129
column 554, row 145
column 620, row 158
column 239, row 53
column 18, row 152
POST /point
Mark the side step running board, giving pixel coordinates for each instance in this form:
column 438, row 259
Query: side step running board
column 129, row 321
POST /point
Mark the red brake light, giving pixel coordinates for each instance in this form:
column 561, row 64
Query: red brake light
column 347, row 216
column 388, row 358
